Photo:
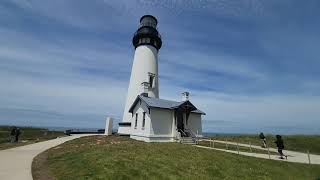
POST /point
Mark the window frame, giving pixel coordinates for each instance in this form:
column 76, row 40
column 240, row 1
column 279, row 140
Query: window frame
column 136, row 121
column 143, row 120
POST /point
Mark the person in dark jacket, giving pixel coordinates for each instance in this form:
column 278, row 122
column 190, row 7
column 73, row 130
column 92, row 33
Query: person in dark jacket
column 17, row 135
column 280, row 145
column 263, row 140
column 13, row 134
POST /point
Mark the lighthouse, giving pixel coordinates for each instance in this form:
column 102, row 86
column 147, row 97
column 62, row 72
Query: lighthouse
column 146, row 117
column 144, row 73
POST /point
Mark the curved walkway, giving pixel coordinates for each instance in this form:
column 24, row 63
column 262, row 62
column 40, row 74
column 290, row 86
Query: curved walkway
column 15, row 163
column 293, row 156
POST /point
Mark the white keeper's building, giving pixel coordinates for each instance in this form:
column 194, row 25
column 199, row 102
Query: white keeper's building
column 146, row 117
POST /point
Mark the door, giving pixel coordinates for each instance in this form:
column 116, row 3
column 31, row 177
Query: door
column 180, row 123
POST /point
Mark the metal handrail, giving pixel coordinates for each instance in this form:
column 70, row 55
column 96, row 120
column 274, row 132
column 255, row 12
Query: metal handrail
column 191, row 132
column 194, row 137
column 158, row 34
column 182, row 132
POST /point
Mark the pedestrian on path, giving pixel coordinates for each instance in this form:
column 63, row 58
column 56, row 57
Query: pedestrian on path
column 17, row 135
column 280, row 145
column 13, row 134
column 263, row 140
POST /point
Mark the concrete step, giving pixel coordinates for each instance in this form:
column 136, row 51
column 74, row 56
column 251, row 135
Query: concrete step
column 191, row 143
column 187, row 141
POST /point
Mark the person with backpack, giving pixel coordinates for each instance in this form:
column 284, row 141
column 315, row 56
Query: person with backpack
column 17, row 135
column 263, row 140
column 13, row 134
column 280, row 146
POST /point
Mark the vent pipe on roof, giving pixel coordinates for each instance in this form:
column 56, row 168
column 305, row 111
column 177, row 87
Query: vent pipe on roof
column 145, row 89
column 185, row 96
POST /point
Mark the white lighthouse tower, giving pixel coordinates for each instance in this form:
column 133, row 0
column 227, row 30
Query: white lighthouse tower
column 144, row 74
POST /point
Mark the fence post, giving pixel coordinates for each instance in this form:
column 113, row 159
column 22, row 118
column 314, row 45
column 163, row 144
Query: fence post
column 250, row 146
column 238, row 147
column 197, row 138
column 213, row 144
column 269, row 152
column 309, row 157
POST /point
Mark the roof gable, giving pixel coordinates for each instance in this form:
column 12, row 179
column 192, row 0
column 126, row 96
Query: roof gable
column 162, row 103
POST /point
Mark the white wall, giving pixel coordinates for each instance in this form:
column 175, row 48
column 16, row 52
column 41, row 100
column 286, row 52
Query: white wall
column 194, row 123
column 139, row 130
column 161, row 122
column 145, row 61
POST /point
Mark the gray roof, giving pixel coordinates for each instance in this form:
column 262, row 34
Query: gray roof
column 162, row 103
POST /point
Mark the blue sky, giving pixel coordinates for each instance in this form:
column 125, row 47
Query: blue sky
column 251, row 65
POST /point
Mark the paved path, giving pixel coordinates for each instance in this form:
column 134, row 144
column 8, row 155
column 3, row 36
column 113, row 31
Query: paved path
column 15, row 163
column 293, row 156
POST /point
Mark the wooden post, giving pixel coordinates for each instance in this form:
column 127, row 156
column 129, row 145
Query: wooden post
column 309, row 157
column 197, row 138
column 213, row 144
column 250, row 146
column 238, row 147
column 269, row 152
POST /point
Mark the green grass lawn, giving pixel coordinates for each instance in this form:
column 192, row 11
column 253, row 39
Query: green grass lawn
column 114, row 157
column 28, row 135
column 301, row 143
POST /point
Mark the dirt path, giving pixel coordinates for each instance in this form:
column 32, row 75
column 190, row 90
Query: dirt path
column 15, row 163
column 293, row 156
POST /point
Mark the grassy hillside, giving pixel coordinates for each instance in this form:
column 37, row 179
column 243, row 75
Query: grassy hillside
column 28, row 135
column 101, row 157
column 301, row 143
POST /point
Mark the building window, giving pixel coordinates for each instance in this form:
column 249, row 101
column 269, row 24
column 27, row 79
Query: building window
column 136, row 122
column 144, row 120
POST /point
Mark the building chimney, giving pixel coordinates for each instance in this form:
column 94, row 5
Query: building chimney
column 145, row 89
column 185, row 96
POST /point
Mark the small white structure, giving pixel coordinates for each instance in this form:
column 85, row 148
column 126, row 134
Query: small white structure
column 145, row 116
column 108, row 129
column 159, row 120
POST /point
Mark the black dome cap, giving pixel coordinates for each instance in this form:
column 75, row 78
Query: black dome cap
column 148, row 15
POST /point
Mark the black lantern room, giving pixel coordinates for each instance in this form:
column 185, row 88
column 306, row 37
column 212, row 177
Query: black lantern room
column 147, row 34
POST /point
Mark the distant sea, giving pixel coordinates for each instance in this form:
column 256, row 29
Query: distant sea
column 115, row 130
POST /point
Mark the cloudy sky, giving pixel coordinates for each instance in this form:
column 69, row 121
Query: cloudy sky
column 251, row 65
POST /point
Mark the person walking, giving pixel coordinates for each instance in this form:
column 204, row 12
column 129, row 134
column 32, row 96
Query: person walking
column 13, row 134
column 280, row 146
column 17, row 135
column 263, row 140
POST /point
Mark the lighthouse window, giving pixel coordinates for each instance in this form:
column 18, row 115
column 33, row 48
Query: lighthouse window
column 155, row 43
column 147, row 40
column 139, row 40
column 151, row 81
